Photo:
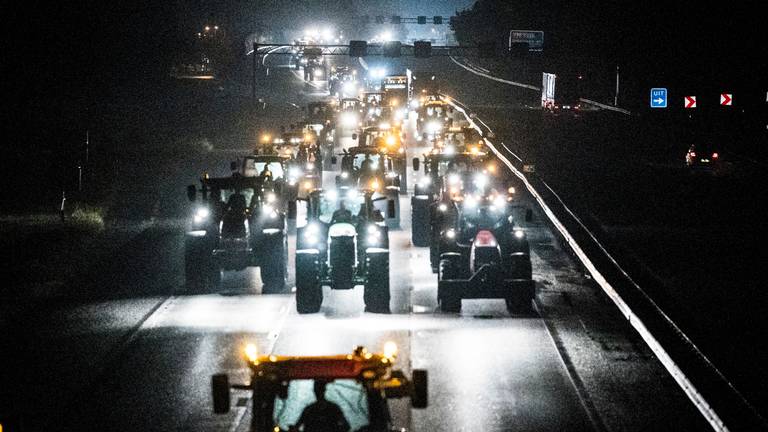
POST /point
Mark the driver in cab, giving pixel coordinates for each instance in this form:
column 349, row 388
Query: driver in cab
column 321, row 415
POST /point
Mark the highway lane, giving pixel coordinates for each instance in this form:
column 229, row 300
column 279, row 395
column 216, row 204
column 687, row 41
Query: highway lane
column 671, row 224
column 487, row 369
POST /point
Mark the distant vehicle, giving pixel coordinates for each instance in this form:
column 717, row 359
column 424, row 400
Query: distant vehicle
column 397, row 92
column 703, row 156
column 359, row 384
column 344, row 243
column 239, row 222
column 482, row 252
column 561, row 93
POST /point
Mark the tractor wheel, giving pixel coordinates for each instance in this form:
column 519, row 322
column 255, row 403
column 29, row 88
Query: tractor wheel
column 376, row 294
column 200, row 272
column 309, row 293
column 449, row 302
column 274, row 267
column 420, row 229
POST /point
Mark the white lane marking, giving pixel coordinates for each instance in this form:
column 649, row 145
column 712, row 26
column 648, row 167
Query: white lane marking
column 685, row 384
column 238, row 418
column 484, row 75
column 511, row 152
column 274, row 334
column 301, row 78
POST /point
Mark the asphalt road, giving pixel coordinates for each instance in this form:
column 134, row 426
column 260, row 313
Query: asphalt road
column 694, row 240
column 141, row 357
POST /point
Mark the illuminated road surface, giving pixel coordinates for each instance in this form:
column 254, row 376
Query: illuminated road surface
column 487, row 370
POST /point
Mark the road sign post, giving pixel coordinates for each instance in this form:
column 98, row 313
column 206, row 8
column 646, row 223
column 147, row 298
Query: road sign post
column 658, row 97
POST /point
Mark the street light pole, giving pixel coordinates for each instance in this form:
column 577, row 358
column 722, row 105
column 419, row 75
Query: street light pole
column 255, row 64
column 616, row 95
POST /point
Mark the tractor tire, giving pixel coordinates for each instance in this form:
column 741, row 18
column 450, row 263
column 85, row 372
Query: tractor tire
column 447, row 269
column 200, row 272
column 376, row 294
column 420, row 229
column 274, row 268
column 309, row 293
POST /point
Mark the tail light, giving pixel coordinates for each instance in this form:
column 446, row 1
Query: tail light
column 715, row 155
column 693, row 154
column 485, row 238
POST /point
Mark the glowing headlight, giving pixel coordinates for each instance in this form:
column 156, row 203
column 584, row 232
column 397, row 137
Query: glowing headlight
column 318, row 72
column 375, row 185
column 390, row 350
column 391, row 141
column 511, row 190
column 470, row 201
column 449, row 150
column 294, row 172
column 313, row 229
column 344, row 174
column 332, row 195
column 453, row 179
column 268, row 208
column 425, row 181
column 310, row 166
column 271, row 197
column 415, row 103
column 352, row 194
column 519, row 234
column 442, row 207
column 372, row 230
column 201, row 214
column 451, row 234
column 252, row 353
column 371, row 111
column 500, row 202
column 481, row 181
column 307, row 185
column 434, row 127
column 384, row 125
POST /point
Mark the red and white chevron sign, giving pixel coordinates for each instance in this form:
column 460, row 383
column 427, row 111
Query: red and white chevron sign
column 726, row 99
column 690, row 101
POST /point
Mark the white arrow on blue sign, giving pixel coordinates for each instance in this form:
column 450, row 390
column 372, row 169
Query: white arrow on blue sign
column 658, row 98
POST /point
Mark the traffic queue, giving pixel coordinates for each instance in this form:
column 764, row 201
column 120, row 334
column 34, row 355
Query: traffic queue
column 462, row 204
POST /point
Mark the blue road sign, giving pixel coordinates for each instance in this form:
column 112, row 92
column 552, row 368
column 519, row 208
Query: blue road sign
column 658, row 98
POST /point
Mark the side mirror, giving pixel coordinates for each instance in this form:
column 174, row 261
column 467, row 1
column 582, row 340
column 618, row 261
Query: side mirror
column 191, row 193
column 334, row 160
column 220, row 392
column 354, row 137
column 391, row 209
column 416, row 164
column 233, row 166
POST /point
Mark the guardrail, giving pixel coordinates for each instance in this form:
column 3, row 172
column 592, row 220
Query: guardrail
column 668, row 342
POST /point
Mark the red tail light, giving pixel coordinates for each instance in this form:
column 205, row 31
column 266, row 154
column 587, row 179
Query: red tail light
column 715, row 155
column 485, row 239
column 693, row 154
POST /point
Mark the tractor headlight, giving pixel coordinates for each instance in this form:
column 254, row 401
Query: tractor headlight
column 442, row 207
column 332, row 195
column 499, row 201
column 318, row 72
column 451, row 234
column 271, row 197
column 344, row 175
column 481, row 180
column 425, row 181
column 519, row 234
column 201, row 215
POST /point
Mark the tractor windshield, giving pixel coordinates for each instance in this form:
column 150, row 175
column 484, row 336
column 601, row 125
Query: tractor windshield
column 348, row 396
column 254, row 167
column 333, row 201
